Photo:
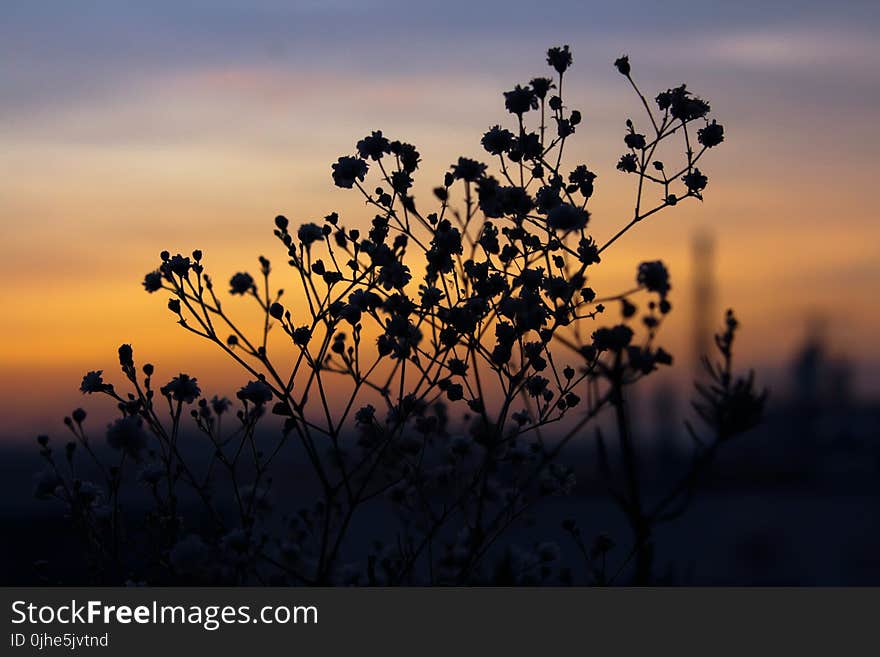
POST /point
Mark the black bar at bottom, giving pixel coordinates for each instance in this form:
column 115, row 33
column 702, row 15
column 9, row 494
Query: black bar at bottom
column 415, row 622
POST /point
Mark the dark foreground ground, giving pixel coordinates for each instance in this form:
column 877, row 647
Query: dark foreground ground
column 779, row 530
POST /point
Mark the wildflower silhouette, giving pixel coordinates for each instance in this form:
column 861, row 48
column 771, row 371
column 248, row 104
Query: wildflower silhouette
column 416, row 364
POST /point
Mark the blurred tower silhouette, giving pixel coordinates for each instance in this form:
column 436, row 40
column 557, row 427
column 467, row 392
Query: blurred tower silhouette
column 703, row 278
column 810, row 362
column 817, row 376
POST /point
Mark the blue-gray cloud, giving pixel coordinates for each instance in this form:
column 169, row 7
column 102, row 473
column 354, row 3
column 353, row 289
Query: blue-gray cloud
column 52, row 52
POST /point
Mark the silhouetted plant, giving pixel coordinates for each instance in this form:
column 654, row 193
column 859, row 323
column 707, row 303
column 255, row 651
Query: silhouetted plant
column 727, row 405
column 415, row 363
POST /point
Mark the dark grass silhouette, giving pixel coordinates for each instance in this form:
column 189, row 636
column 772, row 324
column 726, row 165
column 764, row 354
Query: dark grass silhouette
column 420, row 367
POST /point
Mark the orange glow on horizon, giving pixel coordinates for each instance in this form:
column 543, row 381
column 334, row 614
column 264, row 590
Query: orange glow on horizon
column 205, row 158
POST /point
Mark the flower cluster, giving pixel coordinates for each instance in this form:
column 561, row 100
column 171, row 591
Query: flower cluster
column 417, row 359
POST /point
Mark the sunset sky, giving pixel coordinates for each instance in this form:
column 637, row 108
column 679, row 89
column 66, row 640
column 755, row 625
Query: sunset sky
column 129, row 129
